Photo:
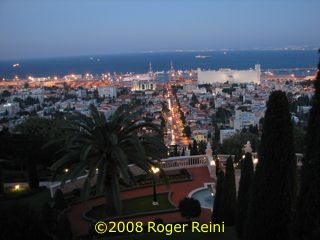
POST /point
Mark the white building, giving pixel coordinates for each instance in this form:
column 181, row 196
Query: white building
column 304, row 109
column 250, row 87
column 108, row 110
column 226, row 133
column 140, row 82
column 108, row 91
column 37, row 93
column 9, row 109
column 82, row 93
column 231, row 76
column 192, row 88
column 143, row 85
column 244, row 120
column 200, row 135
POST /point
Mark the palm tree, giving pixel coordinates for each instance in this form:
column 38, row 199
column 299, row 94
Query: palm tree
column 105, row 148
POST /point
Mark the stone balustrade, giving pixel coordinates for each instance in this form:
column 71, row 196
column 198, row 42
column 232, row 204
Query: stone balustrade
column 184, row 162
column 172, row 163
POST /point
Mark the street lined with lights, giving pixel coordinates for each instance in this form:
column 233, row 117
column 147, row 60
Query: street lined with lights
column 175, row 126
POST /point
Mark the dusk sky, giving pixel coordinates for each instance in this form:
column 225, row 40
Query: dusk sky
column 43, row 28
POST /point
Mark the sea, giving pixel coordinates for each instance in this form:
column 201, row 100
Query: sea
column 160, row 61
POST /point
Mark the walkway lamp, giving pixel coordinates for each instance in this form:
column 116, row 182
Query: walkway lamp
column 154, row 170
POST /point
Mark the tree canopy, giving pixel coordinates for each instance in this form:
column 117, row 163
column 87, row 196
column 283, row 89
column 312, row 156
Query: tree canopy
column 307, row 222
column 244, row 193
column 190, row 208
column 274, row 185
column 104, row 148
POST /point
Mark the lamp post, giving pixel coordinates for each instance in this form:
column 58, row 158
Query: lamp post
column 216, row 163
column 255, row 162
column 154, row 170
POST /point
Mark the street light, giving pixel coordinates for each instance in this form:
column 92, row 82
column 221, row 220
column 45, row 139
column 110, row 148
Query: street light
column 154, row 170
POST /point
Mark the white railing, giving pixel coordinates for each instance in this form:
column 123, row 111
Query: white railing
column 70, row 185
column 223, row 158
column 171, row 163
column 184, row 162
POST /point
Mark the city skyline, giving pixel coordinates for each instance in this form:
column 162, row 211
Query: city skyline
column 194, row 119
column 37, row 29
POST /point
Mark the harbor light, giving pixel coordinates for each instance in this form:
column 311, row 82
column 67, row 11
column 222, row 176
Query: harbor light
column 17, row 187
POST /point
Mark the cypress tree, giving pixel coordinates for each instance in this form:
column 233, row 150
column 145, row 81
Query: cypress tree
column 194, row 149
column 59, row 202
column 1, row 183
column 175, row 150
column 308, row 207
column 273, row 188
column 244, row 193
column 230, row 196
column 183, row 153
column 63, row 230
column 218, row 203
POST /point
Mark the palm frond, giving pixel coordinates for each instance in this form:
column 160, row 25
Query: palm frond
column 66, row 159
column 85, row 153
column 102, row 170
column 86, row 189
column 109, row 145
column 76, row 171
column 116, row 193
column 122, row 161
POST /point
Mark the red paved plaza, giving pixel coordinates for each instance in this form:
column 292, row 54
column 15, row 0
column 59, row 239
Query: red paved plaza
column 200, row 175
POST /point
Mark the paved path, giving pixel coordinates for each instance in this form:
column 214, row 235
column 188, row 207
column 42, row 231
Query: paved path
column 200, row 176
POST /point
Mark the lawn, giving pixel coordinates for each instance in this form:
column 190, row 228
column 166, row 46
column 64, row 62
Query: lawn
column 35, row 199
column 135, row 206
column 144, row 204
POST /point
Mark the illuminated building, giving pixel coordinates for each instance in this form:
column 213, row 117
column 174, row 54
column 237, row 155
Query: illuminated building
column 231, row 76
